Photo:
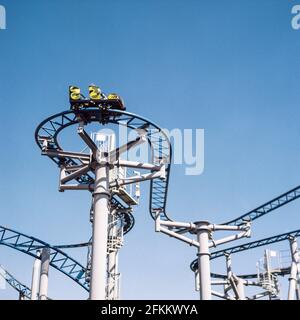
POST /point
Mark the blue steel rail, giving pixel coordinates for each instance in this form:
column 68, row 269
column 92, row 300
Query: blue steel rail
column 157, row 139
column 58, row 259
column 16, row 284
column 281, row 272
column 267, row 207
column 249, row 245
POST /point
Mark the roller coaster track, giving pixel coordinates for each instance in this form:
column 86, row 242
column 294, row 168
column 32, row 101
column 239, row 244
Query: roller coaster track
column 280, row 272
column 14, row 283
column 58, row 259
column 249, row 245
column 157, row 139
column 267, row 207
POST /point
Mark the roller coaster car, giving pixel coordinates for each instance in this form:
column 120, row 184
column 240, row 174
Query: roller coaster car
column 115, row 102
column 103, row 104
column 97, row 99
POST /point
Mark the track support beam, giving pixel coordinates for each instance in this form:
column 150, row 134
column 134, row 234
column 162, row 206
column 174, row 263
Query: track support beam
column 44, row 278
column 100, row 225
column 294, row 268
column 35, row 282
column 204, row 260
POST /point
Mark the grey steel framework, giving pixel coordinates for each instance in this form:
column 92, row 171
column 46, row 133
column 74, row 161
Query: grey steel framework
column 250, row 216
column 204, row 241
column 91, row 171
column 88, row 169
column 281, row 272
column 50, row 128
column 250, row 245
column 267, row 280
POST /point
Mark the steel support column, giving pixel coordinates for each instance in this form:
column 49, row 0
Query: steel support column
column 112, row 291
column 294, row 268
column 100, row 225
column 35, row 282
column 298, row 291
column 204, row 260
column 45, row 257
column 240, row 288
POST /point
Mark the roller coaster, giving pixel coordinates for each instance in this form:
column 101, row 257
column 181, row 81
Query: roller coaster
column 100, row 170
column 22, row 289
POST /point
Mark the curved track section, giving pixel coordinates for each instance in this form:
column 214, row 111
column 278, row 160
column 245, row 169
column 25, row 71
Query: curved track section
column 127, row 218
column 14, row 283
column 249, row 245
column 281, row 272
column 158, row 140
column 58, row 259
column 267, row 207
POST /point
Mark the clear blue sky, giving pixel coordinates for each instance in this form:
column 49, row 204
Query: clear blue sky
column 231, row 67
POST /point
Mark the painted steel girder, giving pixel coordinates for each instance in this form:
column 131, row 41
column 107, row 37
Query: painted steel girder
column 58, row 259
column 267, row 207
column 16, row 284
column 249, row 245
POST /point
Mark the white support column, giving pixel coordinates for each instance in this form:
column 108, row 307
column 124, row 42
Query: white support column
column 45, row 257
column 294, row 268
column 100, row 224
column 298, row 291
column 228, row 265
column 268, row 269
column 240, row 288
column 237, row 282
column 35, row 282
column 204, row 260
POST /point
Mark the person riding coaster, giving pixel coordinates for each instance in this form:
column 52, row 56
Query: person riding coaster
column 96, row 99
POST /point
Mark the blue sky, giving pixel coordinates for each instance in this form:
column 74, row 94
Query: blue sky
column 231, row 67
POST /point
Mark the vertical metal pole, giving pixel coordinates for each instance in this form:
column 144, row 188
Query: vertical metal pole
column 100, row 224
column 204, row 260
column 35, row 282
column 228, row 265
column 44, row 273
column 240, row 288
column 298, row 281
column 21, row 296
column 294, row 268
column 298, row 291
column 268, row 269
column 236, row 283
